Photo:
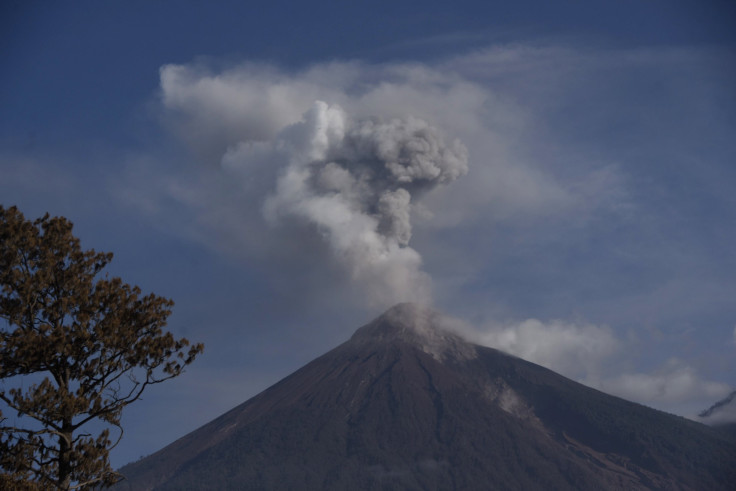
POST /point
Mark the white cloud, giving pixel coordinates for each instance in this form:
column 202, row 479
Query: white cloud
column 214, row 111
column 673, row 383
column 595, row 356
column 574, row 350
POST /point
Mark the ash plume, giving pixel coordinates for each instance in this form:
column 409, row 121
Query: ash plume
column 721, row 412
column 354, row 182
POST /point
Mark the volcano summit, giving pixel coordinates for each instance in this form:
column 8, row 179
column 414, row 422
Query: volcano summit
column 408, row 404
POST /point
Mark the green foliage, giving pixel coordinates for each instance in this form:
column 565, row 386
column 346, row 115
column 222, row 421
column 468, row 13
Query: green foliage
column 74, row 349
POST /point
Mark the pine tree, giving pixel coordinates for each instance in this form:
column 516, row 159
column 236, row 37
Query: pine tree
column 75, row 348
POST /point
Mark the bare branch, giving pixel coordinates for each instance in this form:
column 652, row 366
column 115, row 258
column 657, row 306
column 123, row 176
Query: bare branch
column 28, row 432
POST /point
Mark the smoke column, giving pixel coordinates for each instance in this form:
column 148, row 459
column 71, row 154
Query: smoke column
column 354, row 182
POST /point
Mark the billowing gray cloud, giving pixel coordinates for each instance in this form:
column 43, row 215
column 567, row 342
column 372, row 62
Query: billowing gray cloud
column 399, row 142
column 353, row 183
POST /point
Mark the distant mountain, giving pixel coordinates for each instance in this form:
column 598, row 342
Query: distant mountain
column 405, row 404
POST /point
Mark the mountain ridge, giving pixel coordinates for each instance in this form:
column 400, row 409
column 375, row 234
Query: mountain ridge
column 407, row 404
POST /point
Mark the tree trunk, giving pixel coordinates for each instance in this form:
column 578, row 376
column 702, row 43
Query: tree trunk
column 65, row 457
column 66, row 437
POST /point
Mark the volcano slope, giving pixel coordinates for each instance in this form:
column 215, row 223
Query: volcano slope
column 405, row 404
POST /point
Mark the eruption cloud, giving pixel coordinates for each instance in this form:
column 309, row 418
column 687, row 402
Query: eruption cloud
column 354, row 182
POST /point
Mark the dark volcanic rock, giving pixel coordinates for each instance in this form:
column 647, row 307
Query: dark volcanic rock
column 405, row 404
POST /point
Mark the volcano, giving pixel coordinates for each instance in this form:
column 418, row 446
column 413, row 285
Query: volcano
column 408, row 404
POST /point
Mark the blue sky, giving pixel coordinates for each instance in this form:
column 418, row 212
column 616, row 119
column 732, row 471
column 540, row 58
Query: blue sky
column 593, row 231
